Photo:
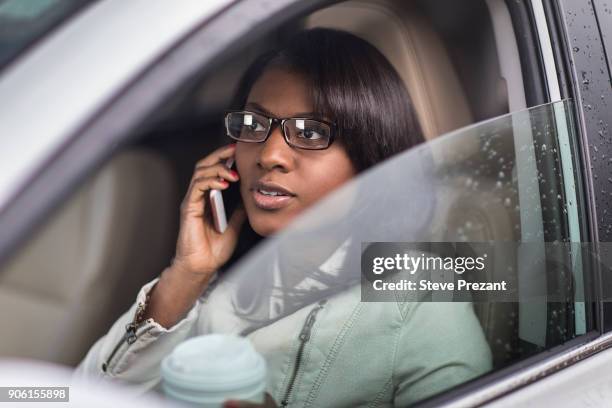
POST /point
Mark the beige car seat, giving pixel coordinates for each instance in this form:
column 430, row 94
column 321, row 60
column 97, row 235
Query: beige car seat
column 409, row 42
column 83, row 269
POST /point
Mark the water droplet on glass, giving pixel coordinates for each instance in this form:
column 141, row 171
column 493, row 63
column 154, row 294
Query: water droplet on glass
column 507, row 202
column 585, row 80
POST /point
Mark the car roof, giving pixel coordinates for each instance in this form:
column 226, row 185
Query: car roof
column 56, row 87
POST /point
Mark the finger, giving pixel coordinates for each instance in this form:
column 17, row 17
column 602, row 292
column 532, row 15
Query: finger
column 218, row 170
column 208, row 183
column 200, row 186
column 216, row 156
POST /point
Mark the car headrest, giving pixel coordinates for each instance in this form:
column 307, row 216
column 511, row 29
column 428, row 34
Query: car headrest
column 409, row 42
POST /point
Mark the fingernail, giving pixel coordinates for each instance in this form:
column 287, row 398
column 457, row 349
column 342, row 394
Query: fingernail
column 231, row 404
column 234, row 173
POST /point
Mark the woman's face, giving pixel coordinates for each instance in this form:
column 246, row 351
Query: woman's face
column 304, row 176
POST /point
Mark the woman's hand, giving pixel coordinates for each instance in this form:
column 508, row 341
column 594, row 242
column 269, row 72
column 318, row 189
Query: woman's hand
column 268, row 403
column 200, row 249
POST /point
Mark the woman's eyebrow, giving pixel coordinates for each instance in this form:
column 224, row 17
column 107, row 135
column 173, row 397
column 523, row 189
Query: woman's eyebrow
column 258, row 107
column 261, row 109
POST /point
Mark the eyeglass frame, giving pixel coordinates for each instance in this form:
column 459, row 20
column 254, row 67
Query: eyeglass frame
column 281, row 122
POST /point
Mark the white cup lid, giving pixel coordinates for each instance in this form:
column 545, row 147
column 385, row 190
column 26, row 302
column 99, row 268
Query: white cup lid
column 214, row 362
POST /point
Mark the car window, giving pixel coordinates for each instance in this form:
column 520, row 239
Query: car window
column 24, row 22
column 509, row 184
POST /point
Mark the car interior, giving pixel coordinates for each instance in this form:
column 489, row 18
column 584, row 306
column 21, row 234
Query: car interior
column 83, row 268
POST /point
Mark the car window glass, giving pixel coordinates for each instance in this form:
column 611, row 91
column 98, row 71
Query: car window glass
column 507, row 181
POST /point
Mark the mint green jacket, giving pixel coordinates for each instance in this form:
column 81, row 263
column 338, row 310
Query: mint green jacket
column 354, row 353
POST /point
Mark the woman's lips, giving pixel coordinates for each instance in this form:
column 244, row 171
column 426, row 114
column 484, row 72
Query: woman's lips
column 267, row 202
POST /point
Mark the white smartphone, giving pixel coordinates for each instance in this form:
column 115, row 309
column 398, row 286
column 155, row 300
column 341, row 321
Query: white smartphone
column 217, row 206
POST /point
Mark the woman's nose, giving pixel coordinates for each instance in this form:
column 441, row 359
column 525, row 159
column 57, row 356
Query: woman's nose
column 275, row 152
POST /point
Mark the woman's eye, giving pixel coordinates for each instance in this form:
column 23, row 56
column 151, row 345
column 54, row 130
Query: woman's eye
column 255, row 127
column 310, row 134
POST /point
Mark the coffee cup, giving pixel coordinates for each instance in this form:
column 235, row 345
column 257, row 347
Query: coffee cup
column 205, row 371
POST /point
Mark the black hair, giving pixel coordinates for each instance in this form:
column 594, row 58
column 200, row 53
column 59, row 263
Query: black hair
column 354, row 85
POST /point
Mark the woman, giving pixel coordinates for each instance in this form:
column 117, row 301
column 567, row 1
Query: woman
column 346, row 109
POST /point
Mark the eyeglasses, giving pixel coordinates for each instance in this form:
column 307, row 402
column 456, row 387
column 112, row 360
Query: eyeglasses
column 303, row 133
